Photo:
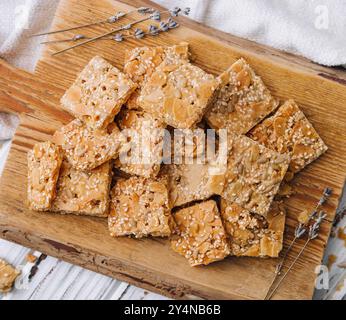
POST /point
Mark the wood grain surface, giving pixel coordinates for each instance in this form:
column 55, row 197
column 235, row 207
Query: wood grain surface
column 149, row 263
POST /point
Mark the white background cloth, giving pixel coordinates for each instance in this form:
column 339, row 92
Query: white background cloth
column 313, row 28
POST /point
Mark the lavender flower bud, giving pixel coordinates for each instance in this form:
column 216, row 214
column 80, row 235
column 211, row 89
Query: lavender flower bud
column 139, row 33
column 144, row 10
column 164, row 26
column 118, row 37
column 153, row 30
column 187, row 11
column 127, row 26
column 78, row 37
column 175, row 11
column 172, row 24
column 156, row 16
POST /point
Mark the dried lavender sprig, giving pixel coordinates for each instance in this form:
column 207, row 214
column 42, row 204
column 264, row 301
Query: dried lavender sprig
column 313, row 234
column 74, row 38
column 139, row 33
column 112, row 19
column 154, row 16
column 298, row 233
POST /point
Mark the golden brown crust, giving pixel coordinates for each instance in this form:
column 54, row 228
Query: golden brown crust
column 200, row 236
column 253, row 175
column 253, row 235
column 83, row 192
column 140, row 207
column 44, row 163
column 242, row 100
column 98, row 93
column 145, row 140
column 86, row 148
column 289, row 131
column 179, row 96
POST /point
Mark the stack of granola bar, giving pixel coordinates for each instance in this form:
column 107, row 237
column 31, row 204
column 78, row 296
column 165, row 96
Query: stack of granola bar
column 127, row 121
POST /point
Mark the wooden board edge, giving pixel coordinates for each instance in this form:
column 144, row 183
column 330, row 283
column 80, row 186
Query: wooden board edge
column 120, row 270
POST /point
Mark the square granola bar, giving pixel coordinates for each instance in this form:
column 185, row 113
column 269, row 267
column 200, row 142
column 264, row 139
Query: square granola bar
column 242, row 100
column 145, row 143
column 289, row 131
column 200, row 234
column 98, row 93
column 178, row 97
column 141, row 62
column 83, row 192
column 191, row 182
column 254, row 174
column 86, row 148
column 253, row 235
column 44, row 163
column 140, row 207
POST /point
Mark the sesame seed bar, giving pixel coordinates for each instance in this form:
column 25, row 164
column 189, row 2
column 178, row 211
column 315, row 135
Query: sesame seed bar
column 190, row 182
column 200, row 236
column 178, row 97
column 98, row 93
column 83, row 192
column 242, row 100
column 86, row 148
column 44, row 162
column 253, row 235
column 289, row 131
column 8, row 276
column 140, row 207
column 145, row 140
column 141, row 62
column 254, row 174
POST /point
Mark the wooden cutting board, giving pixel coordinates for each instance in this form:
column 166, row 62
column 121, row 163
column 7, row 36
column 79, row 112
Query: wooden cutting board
column 149, row 263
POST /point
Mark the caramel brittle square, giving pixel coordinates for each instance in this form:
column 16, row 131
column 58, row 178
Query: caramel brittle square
column 141, row 62
column 178, row 96
column 98, row 93
column 242, row 100
column 200, row 234
column 44, row 163
column 86, row 148
column 191, row 182
column 83, row 192
column 254, row 174
column 289, row 131
column 252, row 235
column 140, row 207
column 144, row 149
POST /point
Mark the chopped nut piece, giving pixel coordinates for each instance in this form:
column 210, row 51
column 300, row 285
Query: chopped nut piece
column 44, row 163
column 289, row 131
column 145, row 142
column 86, row 148
column 8, row 276
column 241, row 101
column 253, row 235
column 178, row 97
column 140, row 207
column 254, row 174
column 98, row 93
column 83, row 192
column 200, row 234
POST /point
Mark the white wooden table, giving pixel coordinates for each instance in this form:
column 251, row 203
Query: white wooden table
column 58, row 280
